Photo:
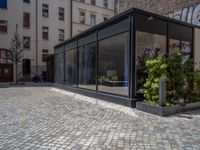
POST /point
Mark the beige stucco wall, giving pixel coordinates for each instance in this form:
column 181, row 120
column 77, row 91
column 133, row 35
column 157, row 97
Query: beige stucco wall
column 14, row 15
column 197, row 46
column 86, row 7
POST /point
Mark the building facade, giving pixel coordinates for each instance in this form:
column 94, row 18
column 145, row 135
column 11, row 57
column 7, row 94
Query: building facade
column 41, row 24
column 107, row 61
column 87, row 13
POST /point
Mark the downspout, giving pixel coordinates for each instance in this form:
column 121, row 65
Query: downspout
column 36, row 38
column 71, row 11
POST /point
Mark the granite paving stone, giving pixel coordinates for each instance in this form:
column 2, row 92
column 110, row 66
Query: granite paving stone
column 50, row 118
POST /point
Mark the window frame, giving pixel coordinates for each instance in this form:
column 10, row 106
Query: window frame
column 45, row 34
column 4, row 25
column 45, row 10
column 26, row 19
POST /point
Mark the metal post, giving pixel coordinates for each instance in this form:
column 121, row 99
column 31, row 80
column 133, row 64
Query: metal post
column 162, row 92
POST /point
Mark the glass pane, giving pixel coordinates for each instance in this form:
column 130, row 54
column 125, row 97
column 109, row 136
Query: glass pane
column 70, row 67
column 186, row 51
column 59, row 68
column 113, row 65
column 87, row 66
column 148, row 45
column 174, row 45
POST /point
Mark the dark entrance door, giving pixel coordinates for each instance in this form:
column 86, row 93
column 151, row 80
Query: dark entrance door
column 26, row 67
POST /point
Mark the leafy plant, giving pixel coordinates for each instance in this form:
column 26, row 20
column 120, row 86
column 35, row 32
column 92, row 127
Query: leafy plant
column 156, row 68
column 175, row 85
column 114, row 78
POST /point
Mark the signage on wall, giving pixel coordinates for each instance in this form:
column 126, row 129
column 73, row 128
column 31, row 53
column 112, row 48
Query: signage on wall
column 189, row 14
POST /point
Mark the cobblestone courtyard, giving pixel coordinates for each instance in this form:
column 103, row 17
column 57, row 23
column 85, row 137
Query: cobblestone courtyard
column 49, row 118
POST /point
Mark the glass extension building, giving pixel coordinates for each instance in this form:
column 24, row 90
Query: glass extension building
column 107, row 61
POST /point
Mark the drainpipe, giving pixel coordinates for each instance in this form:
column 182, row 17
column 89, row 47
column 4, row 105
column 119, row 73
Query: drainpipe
column 36, row 38
column 71, row 11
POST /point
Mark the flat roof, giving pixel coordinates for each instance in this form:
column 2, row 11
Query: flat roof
column 120, row 16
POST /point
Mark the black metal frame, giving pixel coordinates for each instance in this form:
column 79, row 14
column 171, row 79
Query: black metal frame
column 130, row 14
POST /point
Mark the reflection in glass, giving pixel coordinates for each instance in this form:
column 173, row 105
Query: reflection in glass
column 174, row 45
column 70, row 67
column 148, row 45
column 181, row 46
column 87, row 66
column 113, row 65
column 59, row 67
column 186, row 51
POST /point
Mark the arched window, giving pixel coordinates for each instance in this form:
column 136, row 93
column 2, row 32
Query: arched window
column 5, row 56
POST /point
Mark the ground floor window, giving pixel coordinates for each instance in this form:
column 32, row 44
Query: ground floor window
column 59, row 67
column 87, row 66
column 113, row 68
column 71, row 67
column 148, row 45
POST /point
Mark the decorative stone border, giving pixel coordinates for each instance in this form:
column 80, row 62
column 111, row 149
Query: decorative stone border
column 166, row 111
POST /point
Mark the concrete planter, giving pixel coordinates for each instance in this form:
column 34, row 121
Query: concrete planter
column 166, row 111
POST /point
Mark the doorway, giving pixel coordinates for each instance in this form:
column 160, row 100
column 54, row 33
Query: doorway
column 26, row 67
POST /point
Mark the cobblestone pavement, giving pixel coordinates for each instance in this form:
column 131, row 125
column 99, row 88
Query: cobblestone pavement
column 50, row 118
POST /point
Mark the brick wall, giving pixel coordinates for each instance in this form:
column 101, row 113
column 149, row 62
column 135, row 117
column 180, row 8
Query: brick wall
column 156, row 6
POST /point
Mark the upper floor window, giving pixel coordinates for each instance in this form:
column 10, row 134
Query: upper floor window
column 3, row 4
column 93, row 2
column 105, row 3
column 26, row 42
column 61, row 13
column 26, row 20
column 45, row 33
column 83, row 1
column 26, row 1
column 45, row 53
column 61, row 35
column 92, row 19
column 82, row 17
column 45, row 10
column 3, row 26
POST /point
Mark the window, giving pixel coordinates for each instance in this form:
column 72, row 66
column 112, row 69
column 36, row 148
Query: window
column 105, row 3
column 61, row 13
column 82, row 17
column 3, row 26
column 61, row 35
column 181, row 46
column 45, row 53
column 87, row 66
column 26, row 20
column 3, row 4
column 45, row 10
column 93, row 2
column 92, row 19
column 26, row 1
column 70, row 67
column 113, row 65
column 148, row 45
column 82, row 1
column 26, row 42
column 45, row 33
column 59, row 67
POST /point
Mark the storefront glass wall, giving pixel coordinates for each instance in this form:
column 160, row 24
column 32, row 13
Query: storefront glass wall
column 113, row 64
column 87, row 66
column 71, row 67
column 59, row 66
